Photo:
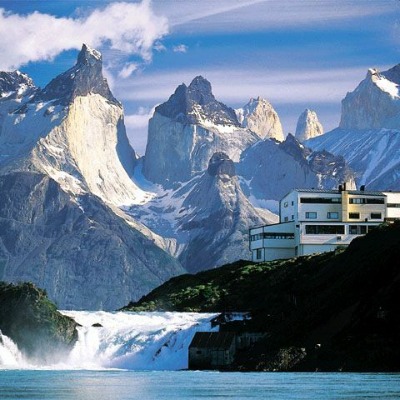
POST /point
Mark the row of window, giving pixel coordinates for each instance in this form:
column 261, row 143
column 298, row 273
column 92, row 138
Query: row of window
column 272, row 235
column 393, row 205
column 366, row 200
column 337, row 229
column 338, row 200
column 320, row 200
column 316, row 230
column 335, row 215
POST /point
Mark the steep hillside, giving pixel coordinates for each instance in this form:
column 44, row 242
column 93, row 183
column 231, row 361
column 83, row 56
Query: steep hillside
column 335, row 311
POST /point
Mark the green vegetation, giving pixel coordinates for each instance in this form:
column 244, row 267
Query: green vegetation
column 32, row 321
column 342, row 307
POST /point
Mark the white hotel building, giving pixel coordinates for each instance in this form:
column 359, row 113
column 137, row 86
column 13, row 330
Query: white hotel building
column 315, row 221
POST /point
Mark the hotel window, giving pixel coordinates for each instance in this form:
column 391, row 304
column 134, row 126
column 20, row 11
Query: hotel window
column 376, row 216
column 357, row 229
column 324, row 229
column 311, row 215
column 333, row 215
column 363, row 200
column 356, row 200
column 320, row 200
column 354, row 215
column 258, row 254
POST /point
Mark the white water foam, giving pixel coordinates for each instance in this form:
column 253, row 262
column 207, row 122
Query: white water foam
column 10, row 356
column 122, row 340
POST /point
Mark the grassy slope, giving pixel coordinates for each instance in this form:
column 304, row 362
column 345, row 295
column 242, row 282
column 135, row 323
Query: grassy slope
column 342, row 307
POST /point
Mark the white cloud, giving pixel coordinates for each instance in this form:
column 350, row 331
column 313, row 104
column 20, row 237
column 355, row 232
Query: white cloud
column 127, row 70
column 136, row 128
column 180, row 48
column 252, row 15
column 158, row 46
column 129, row 28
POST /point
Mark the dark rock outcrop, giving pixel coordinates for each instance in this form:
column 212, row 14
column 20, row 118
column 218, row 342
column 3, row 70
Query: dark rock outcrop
column 191, row 103
column 83, row 78
column 29, row 318
column 221, row 164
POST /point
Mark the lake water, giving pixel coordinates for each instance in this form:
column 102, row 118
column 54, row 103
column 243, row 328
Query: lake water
column 181, row 385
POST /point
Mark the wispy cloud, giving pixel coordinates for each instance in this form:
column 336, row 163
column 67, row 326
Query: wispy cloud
column 236, row 15
column 127, row 70
column 236, row 86
column 130, row 28
column 180, row 48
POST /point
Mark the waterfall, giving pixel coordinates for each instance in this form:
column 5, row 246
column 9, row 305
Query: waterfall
column 10, row 356
column 123, row 340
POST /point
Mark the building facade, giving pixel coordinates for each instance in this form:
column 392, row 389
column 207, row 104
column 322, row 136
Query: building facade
column 315, row 221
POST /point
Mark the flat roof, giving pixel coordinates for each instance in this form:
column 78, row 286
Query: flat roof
column 213, row 340
column 356, row 192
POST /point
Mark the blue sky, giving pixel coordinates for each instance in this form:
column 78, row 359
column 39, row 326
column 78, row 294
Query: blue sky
column 296, row 53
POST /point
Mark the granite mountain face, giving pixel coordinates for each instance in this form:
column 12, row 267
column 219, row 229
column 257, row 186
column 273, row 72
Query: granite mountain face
column 308, row 126
column 259, row 116
column 368, row 136
column 64, row 168
column 187, row 130
column 84, row 217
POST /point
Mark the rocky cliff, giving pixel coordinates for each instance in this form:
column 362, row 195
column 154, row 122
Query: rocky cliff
column 308, row 126
column 217, row 218
column 269, row 169
column 34, row 324
column 77, row 248
column 259, row 116
column 187, row 130
column 65, row 166
column 375, row 103
column 368, row 134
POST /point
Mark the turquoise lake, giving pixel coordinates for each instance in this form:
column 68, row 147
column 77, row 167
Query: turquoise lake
column 147, row 385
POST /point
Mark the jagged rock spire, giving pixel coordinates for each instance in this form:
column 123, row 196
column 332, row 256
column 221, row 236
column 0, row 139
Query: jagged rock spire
column 259, row 116
column 308, row 126
column 83, row 78
column 195, row 103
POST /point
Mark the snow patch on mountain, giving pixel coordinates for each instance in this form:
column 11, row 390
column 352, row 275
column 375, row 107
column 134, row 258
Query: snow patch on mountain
column 187, row 130
column 375, row 103
column 269, row 169
column 369, row 133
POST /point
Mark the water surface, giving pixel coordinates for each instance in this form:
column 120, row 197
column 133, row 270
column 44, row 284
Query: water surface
column 121, row 385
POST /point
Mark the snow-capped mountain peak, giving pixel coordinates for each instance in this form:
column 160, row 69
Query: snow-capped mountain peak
column 196, row 103
column 187, row 130
column 375, row 103
column 84, row 78
column 308, row 126
column 15, row 83
column 259, row 116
